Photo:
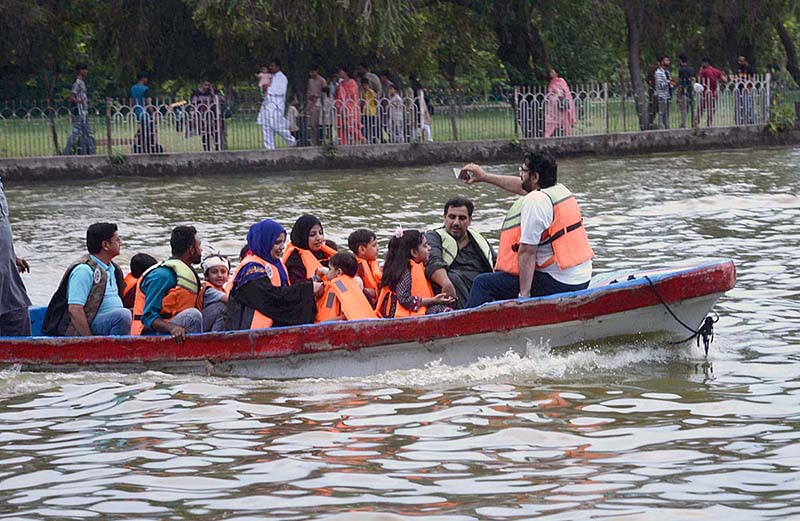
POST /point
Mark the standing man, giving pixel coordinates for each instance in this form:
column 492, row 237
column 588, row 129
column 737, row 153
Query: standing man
column 207, row 105
column 544, row 248
column 14, row 301
column 711, row 78
column 458, row 253
column 745, row 109
column 686, row 90
column 362, row 71
column 272, row 117
column 80, row 118
column 89, row 299
column 144, row 143
column 663, row 92
column 314, row 102
column 166, row 295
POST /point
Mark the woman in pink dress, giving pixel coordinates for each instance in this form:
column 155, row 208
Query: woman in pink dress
column 559, row 111
column 348, row 109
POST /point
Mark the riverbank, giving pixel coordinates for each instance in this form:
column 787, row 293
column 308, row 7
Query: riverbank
column 413, row 154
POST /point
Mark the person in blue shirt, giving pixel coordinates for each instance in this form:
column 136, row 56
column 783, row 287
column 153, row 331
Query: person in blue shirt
column 88, row 300
column 166, row 297
column 145, row 141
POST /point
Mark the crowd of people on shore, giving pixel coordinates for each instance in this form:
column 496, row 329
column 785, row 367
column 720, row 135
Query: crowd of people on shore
column 300, row 277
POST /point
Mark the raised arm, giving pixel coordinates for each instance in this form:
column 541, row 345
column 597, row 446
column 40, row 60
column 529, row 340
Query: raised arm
column 508, row 183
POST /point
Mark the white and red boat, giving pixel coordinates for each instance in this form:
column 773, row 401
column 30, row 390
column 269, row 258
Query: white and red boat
column 666, row 302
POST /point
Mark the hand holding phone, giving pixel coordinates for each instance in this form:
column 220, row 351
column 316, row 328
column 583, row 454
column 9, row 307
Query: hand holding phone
column 461, row 175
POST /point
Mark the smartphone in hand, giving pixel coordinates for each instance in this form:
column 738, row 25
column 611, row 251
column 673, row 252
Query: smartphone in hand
column 461, row 175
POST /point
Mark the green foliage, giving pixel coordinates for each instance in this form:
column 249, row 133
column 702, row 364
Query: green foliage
column 782, row 117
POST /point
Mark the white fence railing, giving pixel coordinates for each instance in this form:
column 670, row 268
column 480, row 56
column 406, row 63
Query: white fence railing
column 118, row 127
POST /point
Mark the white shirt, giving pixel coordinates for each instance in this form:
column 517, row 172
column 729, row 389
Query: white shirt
column 276, row 94
column 537, row 216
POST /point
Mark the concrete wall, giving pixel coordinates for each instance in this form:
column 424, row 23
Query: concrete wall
column 263, row 161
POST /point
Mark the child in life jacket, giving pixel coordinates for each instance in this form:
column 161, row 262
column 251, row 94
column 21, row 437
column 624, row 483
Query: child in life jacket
column 343, row 297
column 404, row 289
column 139, row 264
column 213, row 298
column 364, row 245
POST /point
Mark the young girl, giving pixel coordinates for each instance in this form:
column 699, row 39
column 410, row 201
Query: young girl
column 405, row 291
column 213, row 298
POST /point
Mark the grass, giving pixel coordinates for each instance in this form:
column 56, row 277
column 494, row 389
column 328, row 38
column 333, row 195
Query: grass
column 30, row 137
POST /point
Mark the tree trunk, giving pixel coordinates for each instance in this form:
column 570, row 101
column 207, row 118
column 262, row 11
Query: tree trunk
column 634, row 13
column 791, row 51
column 519, row 41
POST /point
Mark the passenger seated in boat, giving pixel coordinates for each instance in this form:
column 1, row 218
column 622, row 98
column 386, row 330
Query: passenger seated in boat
column 167, row 294
column 261, row 293
column 405, row 291
column 213, row 298
column 364, row 245
column 307, row 251
column 544, row 248
column 343, row 296
column 89, row 299
column 139, row 264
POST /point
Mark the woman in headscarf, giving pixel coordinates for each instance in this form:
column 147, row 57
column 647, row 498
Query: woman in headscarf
column 261, row 294
column 559, row 113
column 307, row 252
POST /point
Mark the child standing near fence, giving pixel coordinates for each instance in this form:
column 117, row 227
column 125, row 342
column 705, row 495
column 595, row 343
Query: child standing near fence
column 396, row 113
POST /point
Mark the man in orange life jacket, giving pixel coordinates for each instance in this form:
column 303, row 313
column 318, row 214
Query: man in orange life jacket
column 167, row 292
column 543, row 245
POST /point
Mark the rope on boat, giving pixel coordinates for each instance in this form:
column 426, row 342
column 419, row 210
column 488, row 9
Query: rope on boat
column 705, row 331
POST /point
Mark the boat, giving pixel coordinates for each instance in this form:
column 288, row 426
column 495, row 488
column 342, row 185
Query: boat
column 671, row 303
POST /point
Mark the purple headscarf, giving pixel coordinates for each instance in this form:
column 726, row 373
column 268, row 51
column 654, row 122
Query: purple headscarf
column 261, row 238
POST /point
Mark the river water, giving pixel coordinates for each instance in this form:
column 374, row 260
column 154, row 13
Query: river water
column 634, row 431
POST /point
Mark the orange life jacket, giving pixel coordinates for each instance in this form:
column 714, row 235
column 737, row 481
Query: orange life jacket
column 130, row 286
column 311, row 262
column 420, row 287
column 202, row 295
column 182, row 296
column 343, row 299
column 510, row 235
column 260, row 320
column 566, row 235
column 372, row 273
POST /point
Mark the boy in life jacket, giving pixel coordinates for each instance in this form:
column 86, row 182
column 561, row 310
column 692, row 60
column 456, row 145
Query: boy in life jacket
column 139, row 264
column 364, row 245
column 213, row 298
column 166, row 297
column 405, row 291
column 343, row 297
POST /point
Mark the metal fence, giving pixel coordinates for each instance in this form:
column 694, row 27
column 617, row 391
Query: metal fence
column 119, row 127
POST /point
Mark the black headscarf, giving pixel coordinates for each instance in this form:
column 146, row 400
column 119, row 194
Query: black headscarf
column 299, row 235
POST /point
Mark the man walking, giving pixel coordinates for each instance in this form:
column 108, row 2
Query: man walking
column 80, row 116
column 14, row 301
column 272, row 117
column 458, row 253
column 663, row 92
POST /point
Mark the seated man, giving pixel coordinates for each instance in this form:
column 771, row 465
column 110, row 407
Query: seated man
column 544, row 248
column 89, row 299
column 166, row 297
column 458, row 253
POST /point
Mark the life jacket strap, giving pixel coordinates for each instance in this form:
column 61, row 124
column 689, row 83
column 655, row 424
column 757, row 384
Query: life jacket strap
column 561, row 233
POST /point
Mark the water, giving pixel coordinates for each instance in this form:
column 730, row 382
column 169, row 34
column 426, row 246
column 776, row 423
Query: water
column 635, row 431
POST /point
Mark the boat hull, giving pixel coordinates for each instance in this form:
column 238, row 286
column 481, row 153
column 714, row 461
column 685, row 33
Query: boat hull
column 624, row 308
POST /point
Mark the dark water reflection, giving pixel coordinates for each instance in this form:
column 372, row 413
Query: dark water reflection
column 636, row 431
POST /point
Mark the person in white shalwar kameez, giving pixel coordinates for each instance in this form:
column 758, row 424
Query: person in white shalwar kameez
column 271, row 116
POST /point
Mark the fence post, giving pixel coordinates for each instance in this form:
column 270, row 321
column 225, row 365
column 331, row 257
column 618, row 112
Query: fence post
column 769, row 97
column 605, row 98
column 217, row 127
column 624, row 111
column 515, row 107
column 108, row 127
